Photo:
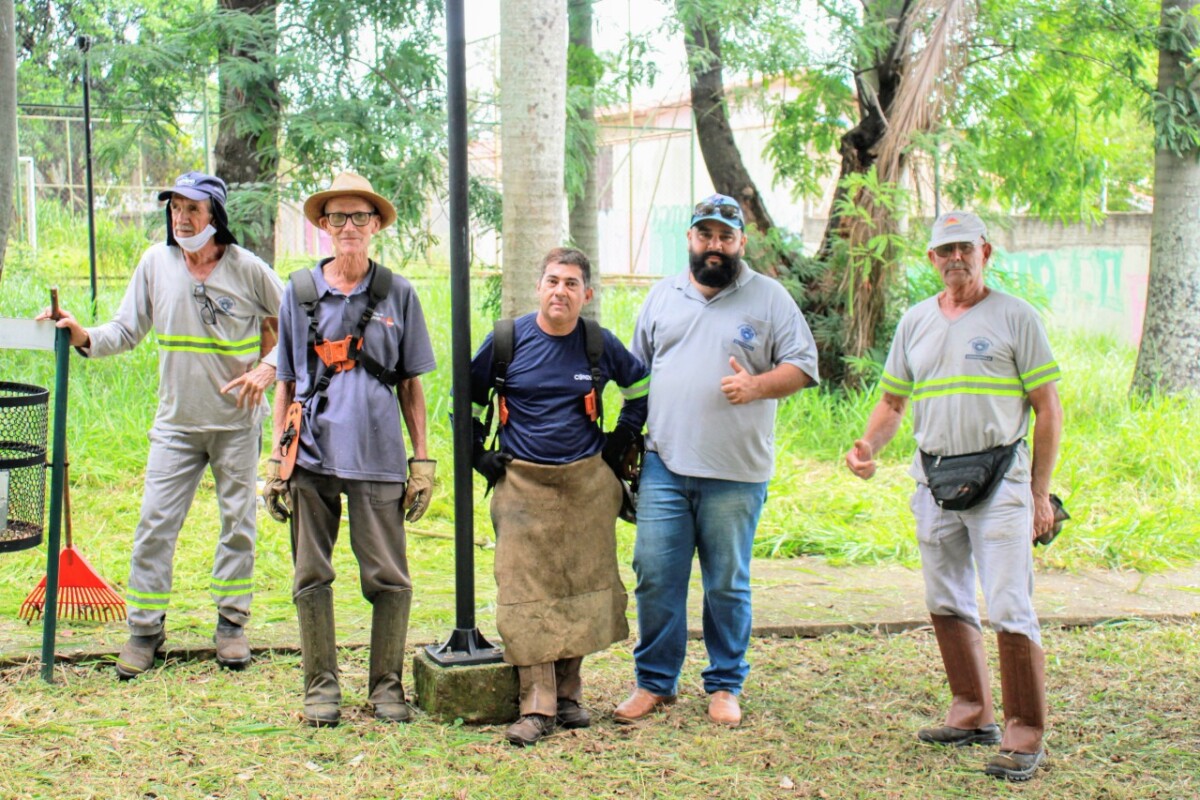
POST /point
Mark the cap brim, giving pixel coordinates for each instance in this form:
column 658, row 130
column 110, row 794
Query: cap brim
column 191, row 194
column 314, row 206
column 717, row 218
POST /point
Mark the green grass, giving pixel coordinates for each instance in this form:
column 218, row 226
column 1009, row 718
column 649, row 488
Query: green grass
column 1127, row 472
column 827, row 718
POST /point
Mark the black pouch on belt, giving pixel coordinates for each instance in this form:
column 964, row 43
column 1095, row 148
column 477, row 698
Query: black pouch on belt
column 961, row 482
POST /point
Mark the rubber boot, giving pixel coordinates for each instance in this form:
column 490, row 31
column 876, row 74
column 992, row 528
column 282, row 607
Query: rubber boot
column 970, row 719
column 389, row 634
column 318, row 645
column 1023, row 687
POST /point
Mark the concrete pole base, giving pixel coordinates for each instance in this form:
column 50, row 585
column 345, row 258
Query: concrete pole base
column 484, row 694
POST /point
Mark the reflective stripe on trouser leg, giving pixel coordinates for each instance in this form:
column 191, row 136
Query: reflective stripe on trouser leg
column 173, row 469
column 235, row 470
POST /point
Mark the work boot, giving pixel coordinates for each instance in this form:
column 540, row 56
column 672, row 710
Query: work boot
column 528, row 729
column 571, row 715
column 233, row 651
column 318, row 647
column 389, row 632
column 970, row 719
column 568, row 686
column 137, row 655
column 1023, row 688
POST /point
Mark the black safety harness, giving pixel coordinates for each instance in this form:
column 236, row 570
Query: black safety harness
column 502, row 356
column 340, row 355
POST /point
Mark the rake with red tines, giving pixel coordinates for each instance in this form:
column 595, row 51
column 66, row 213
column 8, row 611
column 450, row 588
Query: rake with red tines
column 82, row 592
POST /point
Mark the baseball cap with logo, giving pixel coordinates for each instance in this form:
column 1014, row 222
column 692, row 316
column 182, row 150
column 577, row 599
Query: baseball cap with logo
column 196, row 186
column 719, row 208
column 956, row 226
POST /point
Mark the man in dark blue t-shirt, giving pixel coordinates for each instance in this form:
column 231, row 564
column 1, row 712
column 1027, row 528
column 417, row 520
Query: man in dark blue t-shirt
column 559, row 594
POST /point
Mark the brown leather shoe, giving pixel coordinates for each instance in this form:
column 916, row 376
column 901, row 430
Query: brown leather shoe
column 639, row 704
column 723, row 709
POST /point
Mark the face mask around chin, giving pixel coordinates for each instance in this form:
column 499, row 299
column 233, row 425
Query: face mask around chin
column 194, row 243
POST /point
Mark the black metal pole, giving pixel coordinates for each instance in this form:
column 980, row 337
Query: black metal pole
column 85, row 44
column 466, row 644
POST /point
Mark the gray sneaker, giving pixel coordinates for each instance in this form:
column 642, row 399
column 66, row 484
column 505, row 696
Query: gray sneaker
column 1012, row 766
column 137, row 655
column 960, row 737
column 528, row 729
column 233, row 651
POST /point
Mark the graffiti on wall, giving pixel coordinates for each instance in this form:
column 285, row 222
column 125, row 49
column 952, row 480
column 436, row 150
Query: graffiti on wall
column 1096, row 289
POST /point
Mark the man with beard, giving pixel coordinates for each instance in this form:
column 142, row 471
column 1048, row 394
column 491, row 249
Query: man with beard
column 723, row 345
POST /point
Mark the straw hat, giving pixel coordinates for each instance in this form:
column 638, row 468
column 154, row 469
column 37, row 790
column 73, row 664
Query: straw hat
column 348, row 184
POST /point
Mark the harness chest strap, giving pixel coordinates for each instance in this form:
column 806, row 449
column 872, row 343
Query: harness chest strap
column 336, row 356
column 502, row 355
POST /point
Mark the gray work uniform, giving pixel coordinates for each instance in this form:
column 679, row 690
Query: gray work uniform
column 352, row 442
column 969, row 380
column 196, row 425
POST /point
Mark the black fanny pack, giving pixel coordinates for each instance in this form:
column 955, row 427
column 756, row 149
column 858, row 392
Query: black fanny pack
column 961, row 482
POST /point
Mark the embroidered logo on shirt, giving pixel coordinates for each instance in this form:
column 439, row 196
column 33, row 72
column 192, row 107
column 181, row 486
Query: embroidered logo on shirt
column 579, row 376
column 979, row 347
column 746, row 335
column 226, row 304
column 379, row 317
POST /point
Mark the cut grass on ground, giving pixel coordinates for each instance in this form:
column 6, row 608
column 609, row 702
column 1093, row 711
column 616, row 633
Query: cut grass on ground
column 827, row 718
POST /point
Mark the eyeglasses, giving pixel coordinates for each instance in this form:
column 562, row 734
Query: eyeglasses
column 724, row 209
column 208, row 309
column 947, row 250
column 359, row 218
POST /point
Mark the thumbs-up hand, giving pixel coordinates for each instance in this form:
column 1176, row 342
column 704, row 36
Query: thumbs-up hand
column 861, row 459
column 740, row 387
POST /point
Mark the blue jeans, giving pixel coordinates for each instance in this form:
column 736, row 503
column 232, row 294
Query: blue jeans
column 678, row 516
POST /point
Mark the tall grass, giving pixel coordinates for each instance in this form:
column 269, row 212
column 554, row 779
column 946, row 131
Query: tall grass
column 1127, row 469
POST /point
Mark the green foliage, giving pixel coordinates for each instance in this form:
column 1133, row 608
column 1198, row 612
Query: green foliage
column 377, row 109
column 1175, row 111
column 597, row 80
column 1135, row 505
column 808, row 129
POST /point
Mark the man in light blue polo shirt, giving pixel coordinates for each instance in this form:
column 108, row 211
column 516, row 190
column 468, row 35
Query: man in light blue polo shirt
column 723, row 345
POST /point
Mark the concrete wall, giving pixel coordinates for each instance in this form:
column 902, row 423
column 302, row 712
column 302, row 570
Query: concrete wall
column 1095, row 276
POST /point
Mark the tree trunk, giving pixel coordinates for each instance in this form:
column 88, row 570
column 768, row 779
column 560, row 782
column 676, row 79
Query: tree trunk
column 1169, row 357
column 729, row 175
column 533, row 68
column 247, row 149
column 584, row 225
column 8, row 121
column 876, row 88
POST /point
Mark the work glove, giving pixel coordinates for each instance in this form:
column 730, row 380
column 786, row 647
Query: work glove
column 421, row 472
column 491, row 464
column 275, row 493
column 616, row 445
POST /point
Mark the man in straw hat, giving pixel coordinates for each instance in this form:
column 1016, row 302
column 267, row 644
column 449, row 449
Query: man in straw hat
column 350, row 331
column 974, row 362
column 207, row 300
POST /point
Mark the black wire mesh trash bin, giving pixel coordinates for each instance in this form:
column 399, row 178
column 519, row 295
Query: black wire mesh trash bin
column 23, row 416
